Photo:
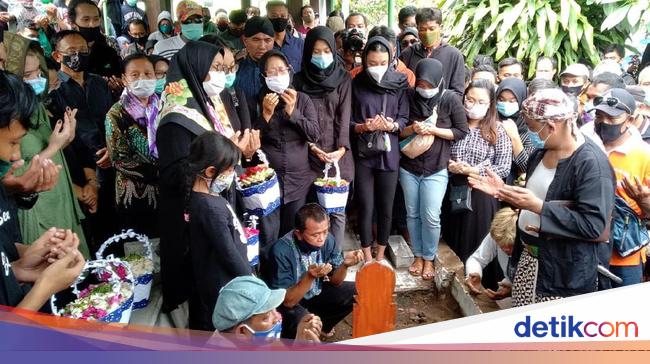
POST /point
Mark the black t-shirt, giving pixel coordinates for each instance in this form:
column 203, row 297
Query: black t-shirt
column 11, row 292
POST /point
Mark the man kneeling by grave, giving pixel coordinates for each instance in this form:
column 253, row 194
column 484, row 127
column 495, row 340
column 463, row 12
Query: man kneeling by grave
column 309, row 265
column 497, row 244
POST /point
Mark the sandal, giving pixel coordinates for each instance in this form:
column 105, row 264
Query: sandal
column 428, row 271
column 416, row 267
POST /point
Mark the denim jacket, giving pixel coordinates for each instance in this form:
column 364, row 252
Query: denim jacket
column 576, row 212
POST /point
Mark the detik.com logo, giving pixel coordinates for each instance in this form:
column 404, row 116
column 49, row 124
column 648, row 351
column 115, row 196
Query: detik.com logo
column 568, row 326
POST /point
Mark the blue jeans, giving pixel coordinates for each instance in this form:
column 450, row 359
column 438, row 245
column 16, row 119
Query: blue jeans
column 632, row 274
column 423, row 198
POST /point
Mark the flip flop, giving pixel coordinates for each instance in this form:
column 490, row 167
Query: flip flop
column 416, row 271
column 427, row 273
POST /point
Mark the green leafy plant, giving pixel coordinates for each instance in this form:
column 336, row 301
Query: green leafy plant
column 569, row 30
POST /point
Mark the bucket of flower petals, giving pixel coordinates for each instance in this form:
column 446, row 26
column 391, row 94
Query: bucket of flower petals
column 332, row 192
column 135, row 249
column 102, row 292
column 259, row 188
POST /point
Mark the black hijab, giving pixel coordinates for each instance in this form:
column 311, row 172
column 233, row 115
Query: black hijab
column 313, row 80
column 192, row 63
column 262, row 64
column 519, row 89
column 430, row 70
column 392, row 79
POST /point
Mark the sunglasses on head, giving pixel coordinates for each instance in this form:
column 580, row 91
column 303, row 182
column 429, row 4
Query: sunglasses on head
column 611, row 102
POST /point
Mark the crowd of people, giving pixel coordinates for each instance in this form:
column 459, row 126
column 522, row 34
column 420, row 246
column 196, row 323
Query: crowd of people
column 540, row 185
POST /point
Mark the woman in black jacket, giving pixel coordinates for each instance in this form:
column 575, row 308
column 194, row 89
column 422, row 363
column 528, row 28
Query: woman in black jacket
column 324, row 79
column 424, row 178
column 287, row 124
column 380, row 104
column 565, row 207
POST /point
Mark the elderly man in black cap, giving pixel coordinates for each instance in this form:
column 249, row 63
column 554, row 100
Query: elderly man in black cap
column 258, row 39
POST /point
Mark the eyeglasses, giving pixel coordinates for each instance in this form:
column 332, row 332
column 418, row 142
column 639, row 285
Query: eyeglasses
column 226, row 69
column 611, row 102
column 278, row 71
column 407, row 43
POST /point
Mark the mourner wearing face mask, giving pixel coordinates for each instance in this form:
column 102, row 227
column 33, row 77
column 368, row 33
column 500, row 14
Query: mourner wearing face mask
column 324, row 79
column 299, row 263
column 45, row 141
column 91, row 96
column 485, row 148
column 135, row 39
column 287, row 124
column 197, row 77
column 566, row 205
column 165, row 27
column 218, row 246
column 290, row 45
column 429, row 25
column 131, row 142
column 437, row 113
column 379, row 112
column 104, row 60
column 629, row 155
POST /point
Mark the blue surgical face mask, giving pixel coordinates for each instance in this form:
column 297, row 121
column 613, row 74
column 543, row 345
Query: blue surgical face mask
column 192, row 31
column 37, row 84
column 535, row 138
column 322, row 61
column 230, row 79
column 270, row 334
column 160, row 85
column 507, row 109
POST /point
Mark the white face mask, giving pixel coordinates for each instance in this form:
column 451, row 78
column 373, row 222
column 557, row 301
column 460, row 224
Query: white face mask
column 427, row 93
column 216, row 84
column 377, row 72
column 142, row 88
column 278, row 84
column 476, row 112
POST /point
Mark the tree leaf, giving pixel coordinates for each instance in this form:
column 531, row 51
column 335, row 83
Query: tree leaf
column 541, row 26
column 479, row 14
column 492, row 27
column 494, row 8
column 552, row 20
column 460, row 26
column 634, row 14
column 614, row 18
column 565, row 12
column 510, row 18
column 573, row 24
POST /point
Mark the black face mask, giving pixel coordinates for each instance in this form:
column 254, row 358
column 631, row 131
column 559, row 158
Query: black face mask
column 572, row 90
column 279, row 24
column 90, row 34
column 77, row 62
column 222, row 27
column 608, row 133
column 305, row 247
column 142, row 41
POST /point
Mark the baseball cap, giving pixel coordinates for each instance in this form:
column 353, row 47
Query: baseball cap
column 187, row 8
column 576, row 69
column 242, row 298
column 615, row 102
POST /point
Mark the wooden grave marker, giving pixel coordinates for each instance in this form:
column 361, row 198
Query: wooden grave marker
column 374, row 311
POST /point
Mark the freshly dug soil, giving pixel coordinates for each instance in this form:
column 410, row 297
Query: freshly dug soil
column 414, row 308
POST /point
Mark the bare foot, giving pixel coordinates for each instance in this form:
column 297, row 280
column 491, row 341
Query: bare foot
column 416, row 268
